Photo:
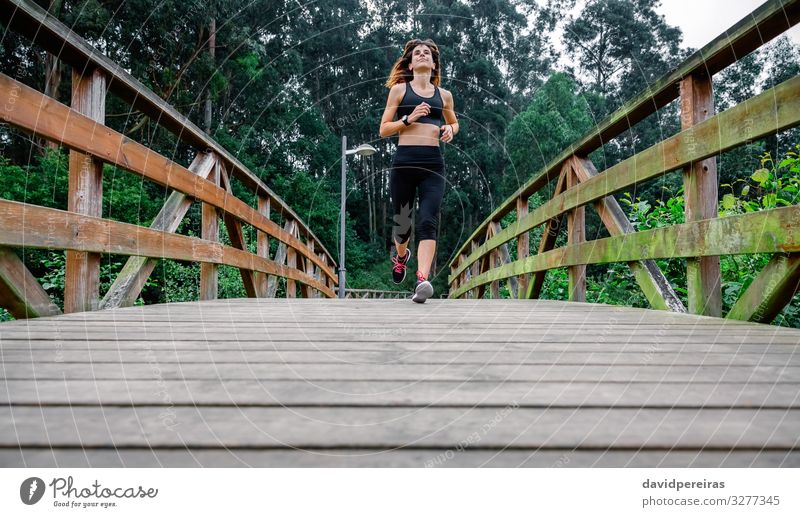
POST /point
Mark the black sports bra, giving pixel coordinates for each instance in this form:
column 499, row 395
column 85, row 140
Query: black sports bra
column 411, row 100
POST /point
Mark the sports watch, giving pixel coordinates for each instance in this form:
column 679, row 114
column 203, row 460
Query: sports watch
column 405, row 120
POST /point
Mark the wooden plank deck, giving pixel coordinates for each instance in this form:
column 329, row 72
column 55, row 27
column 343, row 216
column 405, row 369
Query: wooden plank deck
column 315, row 382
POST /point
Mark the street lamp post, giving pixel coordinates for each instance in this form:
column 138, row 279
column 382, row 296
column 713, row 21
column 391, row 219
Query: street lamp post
column 361, row 150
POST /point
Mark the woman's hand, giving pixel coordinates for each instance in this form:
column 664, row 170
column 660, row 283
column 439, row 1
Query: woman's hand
column 446, row 133
column 422, row 110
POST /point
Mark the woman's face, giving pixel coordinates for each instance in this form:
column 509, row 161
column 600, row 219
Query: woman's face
column 421, row 58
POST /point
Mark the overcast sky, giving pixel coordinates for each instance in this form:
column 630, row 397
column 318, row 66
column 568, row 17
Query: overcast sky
column 703, row 20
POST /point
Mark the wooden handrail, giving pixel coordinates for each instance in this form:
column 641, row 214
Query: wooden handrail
column 773, row 110
column 765, row 23
column 375, row 293
column 484, row 259
column 48, row 118
column 768, row 231
column 45, row 31
column 48, row 228
column 83, row 233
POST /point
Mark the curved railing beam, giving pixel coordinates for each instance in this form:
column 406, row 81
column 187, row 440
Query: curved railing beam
column 31, row 21
column 769, row 231
column 48, row 228
column 765, row 23
column 773, row 110
column 48, row 118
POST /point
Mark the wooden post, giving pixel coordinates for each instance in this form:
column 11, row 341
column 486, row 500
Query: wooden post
column 280, row 258
column 291, row 261
column 477, row 269
column 523, row 247
column 700, row 193
column 319, row 274
column 494, row 258
column 462, row 279
column 328, row 281
column 501, row 257
column 85, row 196
column 209, row 273
column 262, row 245
column 576, row 234
column 457, row 280
column 308, row 268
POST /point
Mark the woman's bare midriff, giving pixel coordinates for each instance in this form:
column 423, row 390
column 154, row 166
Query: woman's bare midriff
column 419, row 134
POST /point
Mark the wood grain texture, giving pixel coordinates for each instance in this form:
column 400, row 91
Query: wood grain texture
column 381, row 382
column 21, row 294
column 576, row 234
column 85, row 194
column 39, row 227
column 773, row 288
column 767, row 113
column 523, row 248
column 52, row 120
column 703, row 278
column 209, row 231
column 412, row 458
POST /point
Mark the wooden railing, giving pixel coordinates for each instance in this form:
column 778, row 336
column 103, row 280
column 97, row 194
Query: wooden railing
column 484, row 258
column 376, row 294
column 300, row 258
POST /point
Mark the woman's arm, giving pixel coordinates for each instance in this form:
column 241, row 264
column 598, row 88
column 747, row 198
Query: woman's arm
column 389, row 126
column 449, row 113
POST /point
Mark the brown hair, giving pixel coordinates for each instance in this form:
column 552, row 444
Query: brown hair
column 400, row 72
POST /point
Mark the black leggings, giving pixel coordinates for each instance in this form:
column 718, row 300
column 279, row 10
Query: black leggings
column 416, row 168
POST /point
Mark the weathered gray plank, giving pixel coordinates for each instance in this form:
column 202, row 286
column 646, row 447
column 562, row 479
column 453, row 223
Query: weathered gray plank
column 404, row 372
column 300, row 320
column 414, row 458
column 389, row 356
column 397, row 427
column 266, row 375
column 320, row 336
column 245, row 319
column 239, row 393
column 57, row 346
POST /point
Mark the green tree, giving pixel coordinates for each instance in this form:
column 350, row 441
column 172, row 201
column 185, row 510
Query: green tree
column 556, row 117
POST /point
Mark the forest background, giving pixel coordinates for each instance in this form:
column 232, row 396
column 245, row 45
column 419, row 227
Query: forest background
column 281, row 81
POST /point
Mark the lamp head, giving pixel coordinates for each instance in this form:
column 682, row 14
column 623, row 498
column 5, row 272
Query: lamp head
column 363, row 150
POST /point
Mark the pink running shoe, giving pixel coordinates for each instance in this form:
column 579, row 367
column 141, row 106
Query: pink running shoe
column 399, row 267
column 423, row 290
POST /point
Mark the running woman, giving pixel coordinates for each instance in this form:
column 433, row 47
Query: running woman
column 425, row 116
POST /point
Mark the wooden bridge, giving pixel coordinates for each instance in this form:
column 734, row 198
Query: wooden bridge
column 474, row 380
